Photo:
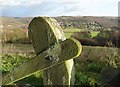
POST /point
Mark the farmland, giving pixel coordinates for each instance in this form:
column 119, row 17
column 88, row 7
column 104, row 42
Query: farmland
column 17, row 49
column 88, row 69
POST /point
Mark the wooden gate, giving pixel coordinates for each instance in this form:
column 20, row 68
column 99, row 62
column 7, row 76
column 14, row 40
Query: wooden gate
column 54, row 54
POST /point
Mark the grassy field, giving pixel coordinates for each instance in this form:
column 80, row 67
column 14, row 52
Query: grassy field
column 94, row 33
column 70, row 31
column 85, row 74
column 88, row 70
column 19, row 49
column 21, row 35
column 67, row 30
column 16, row 49
column 14, row 35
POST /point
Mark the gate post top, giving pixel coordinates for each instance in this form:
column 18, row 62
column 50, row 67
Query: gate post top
column 44, row 32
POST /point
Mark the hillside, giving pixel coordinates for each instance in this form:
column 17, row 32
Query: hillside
column 104, row 21
column 14, row 22
column 83, row 22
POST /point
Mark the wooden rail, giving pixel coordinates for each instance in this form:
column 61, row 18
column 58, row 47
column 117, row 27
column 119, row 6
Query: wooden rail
column 88, row 53
column 42, row 62
column 52, row 49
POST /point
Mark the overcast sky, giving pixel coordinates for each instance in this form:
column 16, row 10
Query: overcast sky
column 26, row 8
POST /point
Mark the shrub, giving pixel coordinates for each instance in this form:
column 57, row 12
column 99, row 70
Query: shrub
column 11, row 61
column 88, row 42
column 108, row 38
column 83, row 34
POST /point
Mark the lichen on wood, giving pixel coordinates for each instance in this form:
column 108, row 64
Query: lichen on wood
column 40, row 63
column 50, row 29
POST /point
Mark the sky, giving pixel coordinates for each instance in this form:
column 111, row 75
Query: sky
column 32, row 8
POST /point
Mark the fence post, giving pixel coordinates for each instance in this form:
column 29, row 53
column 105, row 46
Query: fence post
column 44, row 32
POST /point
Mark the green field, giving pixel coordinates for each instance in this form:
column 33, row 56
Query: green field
column 70, row 31
column 94, row 33
column 20, row 35
column 89, row 66
column 86, row 72
column 83, row 74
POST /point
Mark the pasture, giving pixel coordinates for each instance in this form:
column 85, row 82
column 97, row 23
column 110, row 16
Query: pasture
column 87, row 71
column 19, row 49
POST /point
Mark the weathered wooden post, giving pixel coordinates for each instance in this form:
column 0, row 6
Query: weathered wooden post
column 54, row 55
column 45, row 32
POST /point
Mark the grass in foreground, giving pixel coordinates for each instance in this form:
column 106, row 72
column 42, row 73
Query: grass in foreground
column 85, row 74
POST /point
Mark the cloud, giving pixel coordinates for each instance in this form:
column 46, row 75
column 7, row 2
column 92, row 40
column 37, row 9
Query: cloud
column 60, row 7
column 35, row 2
column 83, row 1
column 19, row 2
column 89, row 8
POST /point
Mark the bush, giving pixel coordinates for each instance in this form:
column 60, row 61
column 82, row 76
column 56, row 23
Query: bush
column 85, row 38
column 88, row 42
column 108, row 38
column 15, row 36
column 11, row 61
column 83, row 34
column 88, row 73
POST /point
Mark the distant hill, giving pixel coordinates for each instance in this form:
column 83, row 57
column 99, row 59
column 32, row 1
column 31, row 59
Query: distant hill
column 15, row 22
column 87, row 22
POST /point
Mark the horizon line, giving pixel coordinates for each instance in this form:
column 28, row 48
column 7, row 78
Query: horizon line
column 59, row 16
